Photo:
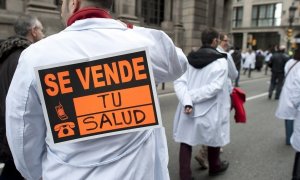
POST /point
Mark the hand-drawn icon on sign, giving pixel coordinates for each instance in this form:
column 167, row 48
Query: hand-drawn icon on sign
column 61, row 112
column 65, row 129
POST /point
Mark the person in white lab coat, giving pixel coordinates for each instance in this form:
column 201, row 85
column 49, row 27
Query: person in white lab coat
column 249, row 63
column 289, row 104
column 90, row 33
column 233, row 73
column 202, row 115
column 223, row 47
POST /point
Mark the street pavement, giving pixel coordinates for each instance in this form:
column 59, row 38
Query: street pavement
column 257, row 150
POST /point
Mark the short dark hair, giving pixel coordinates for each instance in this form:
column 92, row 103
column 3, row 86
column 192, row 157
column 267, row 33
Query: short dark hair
column 296, row 55
column 237, row 48
column 208, row 35
column 24, row 24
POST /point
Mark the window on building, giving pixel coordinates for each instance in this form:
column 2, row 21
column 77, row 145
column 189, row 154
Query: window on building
column 237, row 17
column 266, row 15
column 153, row 11
column 2, row 4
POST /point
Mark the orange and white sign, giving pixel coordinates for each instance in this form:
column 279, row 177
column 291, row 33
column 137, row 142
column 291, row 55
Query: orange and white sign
column 102, row 96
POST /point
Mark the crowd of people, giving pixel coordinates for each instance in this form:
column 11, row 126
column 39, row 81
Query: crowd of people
column 203, row 81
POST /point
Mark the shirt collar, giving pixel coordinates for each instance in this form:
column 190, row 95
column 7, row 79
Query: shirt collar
column 96, row 23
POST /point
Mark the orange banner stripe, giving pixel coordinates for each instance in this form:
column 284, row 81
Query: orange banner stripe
column 112, row 100
column 117, row 120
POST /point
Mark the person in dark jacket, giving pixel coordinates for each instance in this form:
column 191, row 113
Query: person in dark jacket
column 28, row 30
column 259, row 60
column 237, row 58
column 277, row 63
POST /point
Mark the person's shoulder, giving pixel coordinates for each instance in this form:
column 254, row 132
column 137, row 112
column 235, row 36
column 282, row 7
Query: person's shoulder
column 145, row 29
column 221, row 59
column 38, row 50
column 154, row 33
column 218, row 65
column 221, row 62
column 50, row 41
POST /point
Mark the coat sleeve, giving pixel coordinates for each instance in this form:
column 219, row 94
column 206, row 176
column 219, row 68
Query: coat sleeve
column 176, row 61
column 295, row 90
column 26, row 130
column 181, row 90
column 168, row 61
column 218, row 78
column 232, row 71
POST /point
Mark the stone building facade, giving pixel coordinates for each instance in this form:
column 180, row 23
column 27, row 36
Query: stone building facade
column 182, row 20
column 264, row 24
column 46, row 10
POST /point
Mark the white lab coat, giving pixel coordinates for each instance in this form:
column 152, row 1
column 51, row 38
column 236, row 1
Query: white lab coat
column 131, row 156
column 232, row 71
column 289, row 102
column 207, row 91
column 249, row 60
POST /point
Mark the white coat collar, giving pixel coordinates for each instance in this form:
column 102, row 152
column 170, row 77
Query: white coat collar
column 220, row 49
column 96, row 23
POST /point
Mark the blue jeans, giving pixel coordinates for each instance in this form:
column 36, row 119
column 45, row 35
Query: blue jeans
column 289, row 126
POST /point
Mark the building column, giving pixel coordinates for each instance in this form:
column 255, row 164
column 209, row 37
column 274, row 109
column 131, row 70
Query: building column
column 178, row 25
column 127, row 11
column 245, row 40
column 211, row 12
column 219, row 15
column 167, row 24
column 227, row 15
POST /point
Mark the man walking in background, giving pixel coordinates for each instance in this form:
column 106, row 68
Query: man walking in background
column 202, row 115
column 28, row 29
column 277, row 63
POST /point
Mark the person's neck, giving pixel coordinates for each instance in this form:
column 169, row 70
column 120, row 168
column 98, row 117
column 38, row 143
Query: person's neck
column 88, row 12
column 30, row 38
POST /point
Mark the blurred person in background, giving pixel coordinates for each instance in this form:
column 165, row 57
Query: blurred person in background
column 28, row 30
column 268, row 55
column 249, row 62
column 237, row 58
column 277, row 63
column 259, row 60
